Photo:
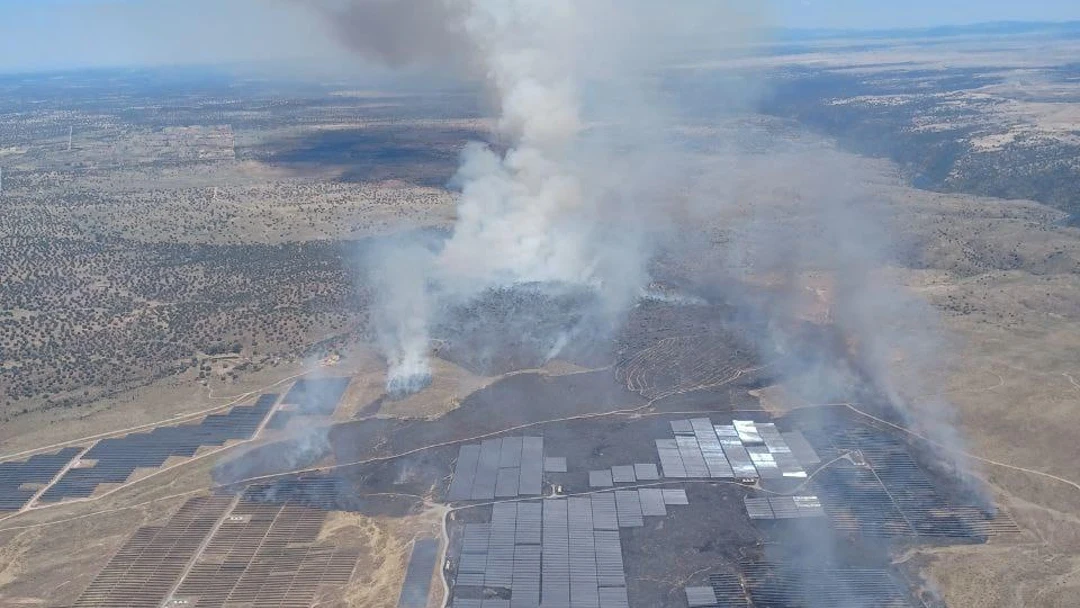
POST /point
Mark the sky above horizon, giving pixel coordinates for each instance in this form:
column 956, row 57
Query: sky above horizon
column 61, row 34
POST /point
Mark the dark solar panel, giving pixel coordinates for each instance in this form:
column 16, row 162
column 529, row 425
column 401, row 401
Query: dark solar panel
column 604, row 514
column 487, row 470
column 510, row 452
column 506, row 482
column 623, row 473
column 532, row 466
column 628, row 505
column 555, row 568
column 500, row 564
column 525, row 589
column 464, row 473
column 583, row 584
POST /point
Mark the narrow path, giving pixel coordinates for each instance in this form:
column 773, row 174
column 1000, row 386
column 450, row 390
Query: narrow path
column 67, row 467
column 202, row 547
column 1071, row 380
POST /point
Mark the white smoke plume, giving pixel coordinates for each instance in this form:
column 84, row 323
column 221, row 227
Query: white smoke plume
column 540, row 213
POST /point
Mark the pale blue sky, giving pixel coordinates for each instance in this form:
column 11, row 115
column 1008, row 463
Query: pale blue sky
column 37, row 34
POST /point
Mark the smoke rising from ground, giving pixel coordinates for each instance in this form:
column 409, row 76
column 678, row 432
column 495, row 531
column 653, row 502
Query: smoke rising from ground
column 569, row 204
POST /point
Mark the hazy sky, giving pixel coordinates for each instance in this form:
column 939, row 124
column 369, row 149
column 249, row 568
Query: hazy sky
column 37, row 34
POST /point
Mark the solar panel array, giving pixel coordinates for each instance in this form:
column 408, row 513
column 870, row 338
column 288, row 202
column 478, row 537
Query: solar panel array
column 20, row 480
column 629, row 473
column 806, row 586
column 558, row 552
column 801, row 448
column 742, row 450
column 554, row 464
column 891, row 496
column 498, row 468
column 316, row 395
column 266, row 555
column 601, row 479
column 251, row 555
column 144, row 570
column 117, row 458
column 784, row 507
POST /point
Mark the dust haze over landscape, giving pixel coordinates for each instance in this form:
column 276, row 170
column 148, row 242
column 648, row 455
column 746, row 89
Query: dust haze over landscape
column 544, row 303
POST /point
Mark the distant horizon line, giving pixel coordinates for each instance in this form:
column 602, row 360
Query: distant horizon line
column 779, row 35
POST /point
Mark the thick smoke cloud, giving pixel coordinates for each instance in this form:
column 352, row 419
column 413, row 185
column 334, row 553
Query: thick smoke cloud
column 568, row 204
column 398, row 32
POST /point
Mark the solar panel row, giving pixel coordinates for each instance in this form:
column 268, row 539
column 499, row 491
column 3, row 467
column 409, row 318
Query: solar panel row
column 604, row 513
column 600, row 479
column 652, row 502
column 500, row 563
column 563, row 552
column 555, row 464
column 646, row 471
column 623, row 474
column 583, row 583
column 525, row 589
column 609, row 562
column 629, row 508
column 675, row 496
column 711, row 450
column 555, row 569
